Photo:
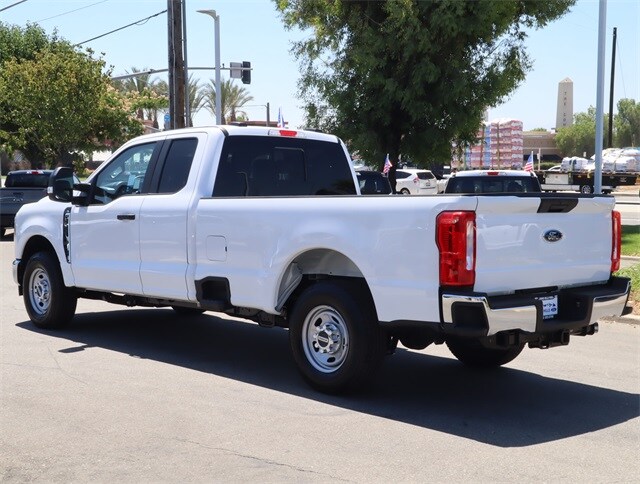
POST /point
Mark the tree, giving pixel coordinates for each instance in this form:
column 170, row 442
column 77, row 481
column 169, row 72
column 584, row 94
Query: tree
column 55, row 100
column 232, row 99
column 197, row 97
column 410, row 76
column 578, row 138
column 23, row 43
column 627, row 123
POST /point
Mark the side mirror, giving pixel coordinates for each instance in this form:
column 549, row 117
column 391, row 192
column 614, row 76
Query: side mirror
column 60, row 188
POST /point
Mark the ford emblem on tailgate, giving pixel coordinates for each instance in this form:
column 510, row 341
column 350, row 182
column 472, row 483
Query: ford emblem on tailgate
column 552, row 235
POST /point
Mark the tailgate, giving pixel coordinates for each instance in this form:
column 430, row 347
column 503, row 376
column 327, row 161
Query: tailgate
column 535, row 242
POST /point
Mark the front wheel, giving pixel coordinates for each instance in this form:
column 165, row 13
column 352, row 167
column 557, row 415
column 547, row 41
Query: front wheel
column 49, row 303
column 335, row 338
column 473, row 353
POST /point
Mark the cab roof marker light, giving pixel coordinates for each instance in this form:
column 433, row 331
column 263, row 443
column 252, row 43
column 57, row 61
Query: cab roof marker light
column 290, row 133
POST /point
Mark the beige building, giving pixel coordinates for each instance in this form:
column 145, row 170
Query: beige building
column 542, row 143
column 564, row 112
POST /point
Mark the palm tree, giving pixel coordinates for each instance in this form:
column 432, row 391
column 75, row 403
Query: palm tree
column 196, row 97
column 233, row 98
column 137, row 84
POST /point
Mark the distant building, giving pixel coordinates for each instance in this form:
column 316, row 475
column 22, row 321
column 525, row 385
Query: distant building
column 564, row 112
column 542, row 143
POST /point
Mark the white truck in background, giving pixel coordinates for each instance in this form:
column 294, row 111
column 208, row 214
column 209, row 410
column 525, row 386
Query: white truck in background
column 269, row 225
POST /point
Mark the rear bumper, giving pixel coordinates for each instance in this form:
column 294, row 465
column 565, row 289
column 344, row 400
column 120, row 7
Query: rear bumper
column 479, row 315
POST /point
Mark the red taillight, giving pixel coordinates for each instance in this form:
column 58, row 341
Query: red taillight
column 616, row 240
column 456, row 239
column 416, row 180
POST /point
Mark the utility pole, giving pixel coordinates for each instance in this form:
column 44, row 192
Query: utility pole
column 176, row 65
column 613, row 78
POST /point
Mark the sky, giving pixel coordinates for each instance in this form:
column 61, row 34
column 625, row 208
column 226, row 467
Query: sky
column 251, row 30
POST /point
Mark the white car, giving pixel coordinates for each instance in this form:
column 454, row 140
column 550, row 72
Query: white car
column 415, row 181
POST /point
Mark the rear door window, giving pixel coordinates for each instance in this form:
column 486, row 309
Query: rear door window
column 277, row 166
column 177, row 165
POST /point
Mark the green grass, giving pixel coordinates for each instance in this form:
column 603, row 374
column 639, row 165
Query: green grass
column 631, row 246
column 631, row 240
column 632, row 273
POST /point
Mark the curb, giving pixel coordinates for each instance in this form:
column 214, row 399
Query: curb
column 626, row 319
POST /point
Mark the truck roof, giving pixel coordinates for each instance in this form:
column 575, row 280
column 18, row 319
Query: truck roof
column 243, row 130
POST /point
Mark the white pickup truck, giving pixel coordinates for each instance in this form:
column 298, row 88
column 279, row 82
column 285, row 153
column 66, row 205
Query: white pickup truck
column 268, row 225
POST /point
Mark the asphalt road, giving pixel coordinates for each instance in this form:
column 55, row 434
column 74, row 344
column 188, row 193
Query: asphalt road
column 628, row 204
column 140, row 395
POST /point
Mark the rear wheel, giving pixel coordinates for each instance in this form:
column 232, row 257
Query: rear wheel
column 473, row 353
column 335, row 338
column 586, row 189
column 49, row 303
column 405, row 191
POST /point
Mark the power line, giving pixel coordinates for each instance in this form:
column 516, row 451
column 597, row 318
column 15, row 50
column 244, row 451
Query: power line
column 139, row 22
column 70, row 11
column 12, row 5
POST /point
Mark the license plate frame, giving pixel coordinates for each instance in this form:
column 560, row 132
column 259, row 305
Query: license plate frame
column 549, row 306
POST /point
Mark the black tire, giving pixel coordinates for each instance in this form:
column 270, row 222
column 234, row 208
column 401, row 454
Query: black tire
column 182, row 311
column 335, row 338
column 473, row 353
column 405, row 191
column 49, row 303
column 586, row 189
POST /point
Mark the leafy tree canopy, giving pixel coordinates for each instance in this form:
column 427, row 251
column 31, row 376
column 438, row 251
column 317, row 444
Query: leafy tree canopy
column 409, row 76
column 55, row 100
column 24, row 42
column 627, row 123
column 580, row 137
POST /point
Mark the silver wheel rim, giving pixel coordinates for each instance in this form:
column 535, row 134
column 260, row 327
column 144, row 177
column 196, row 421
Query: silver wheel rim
column 325, row 339
column 40, row 291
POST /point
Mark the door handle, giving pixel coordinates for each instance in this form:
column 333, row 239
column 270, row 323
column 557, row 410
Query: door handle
column 126, row 216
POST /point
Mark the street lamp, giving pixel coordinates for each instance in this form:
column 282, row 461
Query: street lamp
column 216, row 19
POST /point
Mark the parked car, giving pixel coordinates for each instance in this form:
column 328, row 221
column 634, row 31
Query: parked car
column 493, row 181
column 373, row 183
column 21, row 187
column 412, row 181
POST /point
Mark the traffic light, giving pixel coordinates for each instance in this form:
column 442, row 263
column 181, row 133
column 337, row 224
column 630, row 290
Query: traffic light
column 246, row 72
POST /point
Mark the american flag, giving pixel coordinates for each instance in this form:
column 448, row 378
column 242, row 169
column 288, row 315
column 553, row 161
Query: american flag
column 281, row 123
column 529, row 165
column 387, row 165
